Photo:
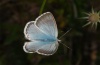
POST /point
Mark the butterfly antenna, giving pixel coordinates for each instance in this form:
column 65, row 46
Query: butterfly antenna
column 65, row 33
column 65, row 45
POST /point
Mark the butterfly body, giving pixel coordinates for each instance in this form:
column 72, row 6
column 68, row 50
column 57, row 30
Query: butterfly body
column 42, row 34
column 46, row 40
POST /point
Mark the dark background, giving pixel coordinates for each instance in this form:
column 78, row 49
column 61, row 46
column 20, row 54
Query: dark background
column 85, row 44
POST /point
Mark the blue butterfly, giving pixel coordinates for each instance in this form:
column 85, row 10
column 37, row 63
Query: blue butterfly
column 42, row 34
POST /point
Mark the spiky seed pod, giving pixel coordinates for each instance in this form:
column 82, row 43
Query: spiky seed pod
column 92, row 18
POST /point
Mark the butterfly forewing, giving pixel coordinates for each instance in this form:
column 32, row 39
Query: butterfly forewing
column 47, row 24
column 48, row 49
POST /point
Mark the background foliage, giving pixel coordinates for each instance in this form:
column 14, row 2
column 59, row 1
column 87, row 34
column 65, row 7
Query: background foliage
column 85, row 45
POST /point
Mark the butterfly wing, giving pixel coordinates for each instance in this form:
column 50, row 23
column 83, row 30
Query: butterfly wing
column 31, row 47
column 41, row 47
column 48, row 49
column 33, row 33
column 47, row 24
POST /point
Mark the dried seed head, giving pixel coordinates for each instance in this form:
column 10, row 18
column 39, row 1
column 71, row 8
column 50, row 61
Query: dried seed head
column 93, row 18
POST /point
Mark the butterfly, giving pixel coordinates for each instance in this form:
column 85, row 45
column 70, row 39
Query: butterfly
column 42, row 35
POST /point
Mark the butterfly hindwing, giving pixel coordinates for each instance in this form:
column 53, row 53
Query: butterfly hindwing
column 32, row 32
column 31, row 47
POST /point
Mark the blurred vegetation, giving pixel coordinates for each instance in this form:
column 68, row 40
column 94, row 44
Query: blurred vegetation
column 85, row 44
